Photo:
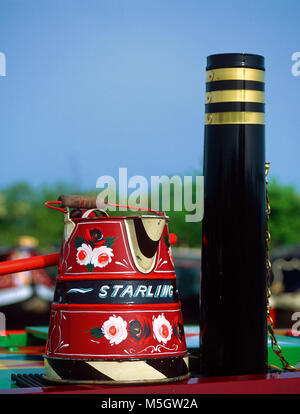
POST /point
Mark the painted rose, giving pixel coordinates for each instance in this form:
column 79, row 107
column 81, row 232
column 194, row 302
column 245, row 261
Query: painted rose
column 162, row 329
column 94, row 237
column 101, row 256
column 115, row 329
column 84, row 254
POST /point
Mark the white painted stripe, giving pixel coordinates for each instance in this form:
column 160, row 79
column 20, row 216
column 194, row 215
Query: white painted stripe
column 127, row 370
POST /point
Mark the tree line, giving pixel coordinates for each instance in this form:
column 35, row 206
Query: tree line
column 23, row 212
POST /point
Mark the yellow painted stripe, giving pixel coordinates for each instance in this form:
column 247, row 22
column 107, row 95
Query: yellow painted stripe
column 235, row 95
column 50, row 373
column 127, row 370
column 219, row 118
column 235, row 74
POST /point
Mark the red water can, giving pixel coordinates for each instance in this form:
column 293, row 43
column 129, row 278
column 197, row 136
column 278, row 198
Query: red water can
column 116, row 315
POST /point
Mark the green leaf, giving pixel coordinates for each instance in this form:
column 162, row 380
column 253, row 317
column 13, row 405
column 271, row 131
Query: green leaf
column 98, row 213
column 90, row 267
column 166, row 240
column 96, row 332
column 109, row 241
column 79, row 241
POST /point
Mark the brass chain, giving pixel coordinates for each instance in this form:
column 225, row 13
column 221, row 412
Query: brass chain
column 275, row 346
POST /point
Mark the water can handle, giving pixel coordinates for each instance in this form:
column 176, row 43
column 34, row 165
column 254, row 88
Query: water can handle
column 49, row 205
column 78, row 201
column 90, row 202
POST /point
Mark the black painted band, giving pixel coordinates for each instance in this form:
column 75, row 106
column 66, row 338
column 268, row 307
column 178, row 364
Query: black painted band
column 232, row 60
column 234, row 84
column 116, row 291
column 80, row 370
column 235, row 107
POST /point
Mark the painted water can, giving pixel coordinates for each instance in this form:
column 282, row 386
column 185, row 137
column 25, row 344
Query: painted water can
column 116, row 314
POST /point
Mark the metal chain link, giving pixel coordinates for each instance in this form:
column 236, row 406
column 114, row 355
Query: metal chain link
column 275, row 346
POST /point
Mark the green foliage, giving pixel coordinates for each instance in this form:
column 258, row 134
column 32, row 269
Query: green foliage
column 109, row 241
column 23, row 212
column 96, row 332
column 79, row 241
column 90, row 267
column 166, row 240
column 188, row 234
column 285, row 215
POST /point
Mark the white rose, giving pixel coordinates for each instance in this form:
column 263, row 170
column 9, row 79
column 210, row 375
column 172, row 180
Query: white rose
column 84, row 254
column 101, row 256
column 115, row 329
column 162, row 329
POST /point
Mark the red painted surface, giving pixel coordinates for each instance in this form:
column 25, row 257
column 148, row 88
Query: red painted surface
column 30, row 263
column 14, row 332
column 121, row 264
column 70, row 334
column 98, row 249
column 283, row 383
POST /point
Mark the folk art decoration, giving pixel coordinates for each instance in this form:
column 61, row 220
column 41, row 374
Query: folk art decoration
column 116, row 314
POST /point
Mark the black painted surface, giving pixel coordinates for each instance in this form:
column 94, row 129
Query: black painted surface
column 147, row 246
column 116, row 291
column 233, row 322
column 234, row 84
column 227, row 60
column 235, row 107
column 233, row 282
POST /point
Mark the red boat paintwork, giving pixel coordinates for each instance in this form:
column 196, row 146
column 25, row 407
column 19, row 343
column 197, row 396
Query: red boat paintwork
column 122, row 264
column 79, row 316
column 70, row 326
column 279, row 383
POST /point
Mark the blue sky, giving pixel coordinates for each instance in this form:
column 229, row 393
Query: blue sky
column 95, row 85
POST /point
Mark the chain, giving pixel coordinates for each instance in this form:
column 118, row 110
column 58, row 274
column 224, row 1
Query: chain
column 275, row 346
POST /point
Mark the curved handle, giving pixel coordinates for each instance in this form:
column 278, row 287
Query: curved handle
column 78, row 201
column 88, row 212
column 48, row 204
column 89, row 203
